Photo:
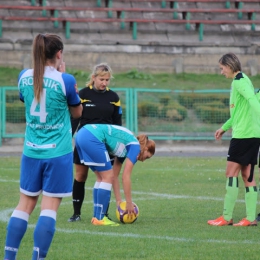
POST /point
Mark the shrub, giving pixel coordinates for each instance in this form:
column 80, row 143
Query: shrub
column 172, row 111
column 189, row 99
column 11, row 98
column 176, row 112
column 212, row 115
column 213, row 104
column 147, row 109
column 135, row 74
column 165, row 100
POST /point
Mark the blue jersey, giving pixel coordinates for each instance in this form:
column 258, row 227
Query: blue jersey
column 48, row 127
column 119, row 140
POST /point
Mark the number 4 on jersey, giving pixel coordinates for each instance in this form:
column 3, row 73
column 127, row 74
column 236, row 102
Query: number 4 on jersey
column 42, row 113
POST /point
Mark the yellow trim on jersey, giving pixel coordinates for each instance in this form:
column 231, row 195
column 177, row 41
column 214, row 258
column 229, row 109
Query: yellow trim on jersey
column 84, row 100
column 118, row 104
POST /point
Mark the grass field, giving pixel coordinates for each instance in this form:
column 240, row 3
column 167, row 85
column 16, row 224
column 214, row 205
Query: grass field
column 139, row 79
column 176, row 196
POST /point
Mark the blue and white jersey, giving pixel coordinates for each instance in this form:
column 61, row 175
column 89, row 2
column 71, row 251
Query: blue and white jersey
column 48, row 127
column 119, row 141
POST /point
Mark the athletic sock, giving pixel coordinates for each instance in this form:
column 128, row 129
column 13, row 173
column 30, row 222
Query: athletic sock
column 230, row 197
column 251, row 200
column 95, row 198
column 106, row 213
column 43, row 233
column 78, row 195
column 15, row 231
column 103, row 199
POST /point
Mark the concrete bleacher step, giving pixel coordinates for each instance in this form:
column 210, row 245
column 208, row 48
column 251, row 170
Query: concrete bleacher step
column 249, row 5
column 83, row 3
column 27, row 26
column 167, row 47
column 121, row 4
column 216, row 5
column 103, row 29
column 137, row 4
column 21, row 2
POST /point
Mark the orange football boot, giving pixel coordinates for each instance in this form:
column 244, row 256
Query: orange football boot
column 245, row 223
column 220, row 222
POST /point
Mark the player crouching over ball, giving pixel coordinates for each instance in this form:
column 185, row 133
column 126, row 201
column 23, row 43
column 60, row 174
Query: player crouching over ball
column 94, row 144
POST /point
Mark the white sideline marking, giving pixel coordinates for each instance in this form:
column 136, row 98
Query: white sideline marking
column 5, row 216
column 9, row 169
column 3, row 180
column 158, row 195
column 131, row 235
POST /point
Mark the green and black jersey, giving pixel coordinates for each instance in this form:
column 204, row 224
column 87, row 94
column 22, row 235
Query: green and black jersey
column 99, row 107
column 244, row 109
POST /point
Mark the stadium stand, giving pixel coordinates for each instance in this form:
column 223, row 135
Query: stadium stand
column 147, row 18
column 134, row 26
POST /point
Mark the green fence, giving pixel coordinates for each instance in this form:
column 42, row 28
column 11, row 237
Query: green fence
column 162, row 114
column 180, row 115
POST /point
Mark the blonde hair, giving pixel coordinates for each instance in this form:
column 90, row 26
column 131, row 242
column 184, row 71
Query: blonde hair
column 232, row 61
column 101, row 69
column 45, row 47
column 145, row 144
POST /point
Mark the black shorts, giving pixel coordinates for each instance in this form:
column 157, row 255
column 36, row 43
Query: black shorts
column 76, row 158
column 243, row 151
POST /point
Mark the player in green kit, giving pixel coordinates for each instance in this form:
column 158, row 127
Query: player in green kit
column 244, row 145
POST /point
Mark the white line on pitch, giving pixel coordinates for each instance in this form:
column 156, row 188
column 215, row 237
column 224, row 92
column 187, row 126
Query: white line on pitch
column 169, row 238
column 159, row 195
column 4, row 216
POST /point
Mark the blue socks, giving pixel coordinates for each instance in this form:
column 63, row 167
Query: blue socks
column 16, row 229
column 101, row 202
column 95, row 196
column 43, row 234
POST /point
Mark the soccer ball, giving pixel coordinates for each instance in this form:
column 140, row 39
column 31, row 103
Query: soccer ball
column 123, row 217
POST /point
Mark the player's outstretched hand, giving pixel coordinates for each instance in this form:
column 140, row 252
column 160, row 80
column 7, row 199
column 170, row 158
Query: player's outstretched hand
column 130, row 208
column 219, row 133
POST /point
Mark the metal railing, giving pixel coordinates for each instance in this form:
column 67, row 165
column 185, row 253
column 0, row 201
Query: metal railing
column 162, row 113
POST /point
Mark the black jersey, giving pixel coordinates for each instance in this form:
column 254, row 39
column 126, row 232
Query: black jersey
column 99, row 107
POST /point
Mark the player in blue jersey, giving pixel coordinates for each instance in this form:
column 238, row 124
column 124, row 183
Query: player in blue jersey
column 50, row 98
column 95, row 143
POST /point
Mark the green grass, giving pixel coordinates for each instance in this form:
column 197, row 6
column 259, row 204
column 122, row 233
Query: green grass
column 139, row 79
column 176, row 196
